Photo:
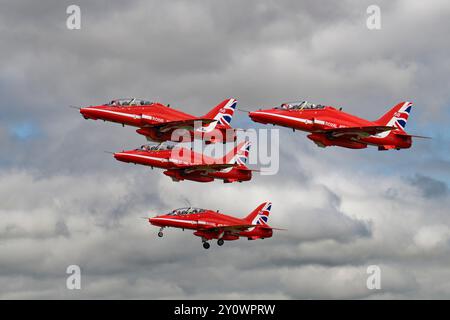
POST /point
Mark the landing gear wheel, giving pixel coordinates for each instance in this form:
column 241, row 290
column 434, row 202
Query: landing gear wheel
column 220, row 242
column 160, row 234
column 206, row 245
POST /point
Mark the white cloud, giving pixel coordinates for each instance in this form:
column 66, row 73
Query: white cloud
column 63, row 201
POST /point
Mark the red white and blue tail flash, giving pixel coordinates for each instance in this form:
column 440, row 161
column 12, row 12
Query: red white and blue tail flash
column 397, row 117
column 225, row 114
column 262, row 217
column 241, row 154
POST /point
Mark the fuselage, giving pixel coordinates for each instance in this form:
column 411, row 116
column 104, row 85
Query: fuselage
column 180, row 165
column 149, row 116
column 137, row 116
column 208, row 219
column 316, row 121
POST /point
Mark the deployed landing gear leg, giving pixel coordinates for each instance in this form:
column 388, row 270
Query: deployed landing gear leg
column 205, row 243
column 220, row 242
column 160, row 233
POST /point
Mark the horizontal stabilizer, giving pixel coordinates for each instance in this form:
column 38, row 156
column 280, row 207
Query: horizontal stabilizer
column 413, row 136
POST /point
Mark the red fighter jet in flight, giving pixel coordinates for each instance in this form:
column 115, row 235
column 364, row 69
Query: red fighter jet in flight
column 185, row 164
column 214, row 225
column 329, row 126
column 157, row 121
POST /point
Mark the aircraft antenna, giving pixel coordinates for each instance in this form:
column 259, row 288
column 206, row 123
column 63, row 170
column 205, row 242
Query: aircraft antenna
column 187, row 202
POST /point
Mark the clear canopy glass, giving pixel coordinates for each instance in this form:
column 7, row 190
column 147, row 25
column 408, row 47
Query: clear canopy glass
column 300, row 105
column 184, row 211
column 129, row 102
column 156, row 147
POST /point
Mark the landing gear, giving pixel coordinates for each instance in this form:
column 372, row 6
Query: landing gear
column 205, row 243
column 160, row 233
column 220, row 242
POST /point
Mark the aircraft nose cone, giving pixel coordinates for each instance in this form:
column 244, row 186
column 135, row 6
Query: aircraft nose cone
column 256, row 116
column 83, row 112
column 121, row 156
column 87, row 113
column 154, row 221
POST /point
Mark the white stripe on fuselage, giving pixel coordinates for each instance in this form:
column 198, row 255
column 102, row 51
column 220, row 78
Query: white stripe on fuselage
column 145, row 157
column 379, row 135
column 187, row 221
column 134, row 116
column 155, row 158
column 287, row 117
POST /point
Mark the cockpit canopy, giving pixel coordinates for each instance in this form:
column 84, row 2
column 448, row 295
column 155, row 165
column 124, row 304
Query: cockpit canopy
column 156, row 147
column 128, row 102
column 184, row 211
column 299, row 105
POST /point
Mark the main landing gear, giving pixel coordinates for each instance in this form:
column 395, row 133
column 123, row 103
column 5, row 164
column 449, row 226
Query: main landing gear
column 206, row 244
column 160, row 233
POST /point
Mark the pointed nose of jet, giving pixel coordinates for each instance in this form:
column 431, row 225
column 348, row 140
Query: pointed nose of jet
column 257, row 116
column 88, row 113
column 156, row 221
column 122, row 156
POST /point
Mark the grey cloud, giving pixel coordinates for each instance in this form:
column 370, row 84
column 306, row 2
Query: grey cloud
column 63, row 201
column 430, row 188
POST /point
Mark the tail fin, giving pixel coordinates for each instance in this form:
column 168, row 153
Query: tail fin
column 260, row 215
column 223, row 112
column 397, row 116
column 238, row 155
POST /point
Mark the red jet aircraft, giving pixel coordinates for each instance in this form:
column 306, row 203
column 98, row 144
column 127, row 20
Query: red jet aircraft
column 214, row 225
column 332, row 127
column 184, row 164
column 157, row 121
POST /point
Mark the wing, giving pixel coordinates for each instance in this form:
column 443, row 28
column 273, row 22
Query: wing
column 358, row 132
column 204, row 167
column 229, row 228
column 179, row 124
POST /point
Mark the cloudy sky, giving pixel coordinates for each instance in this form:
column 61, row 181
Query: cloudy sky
column 63, row 201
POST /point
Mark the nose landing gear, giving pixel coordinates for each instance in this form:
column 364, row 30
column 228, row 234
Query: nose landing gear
column 160, row 233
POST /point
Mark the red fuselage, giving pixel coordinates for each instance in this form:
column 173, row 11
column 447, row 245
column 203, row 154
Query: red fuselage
column 184, row 164
column 316, row 121
column 150, row 118
column 205, row 223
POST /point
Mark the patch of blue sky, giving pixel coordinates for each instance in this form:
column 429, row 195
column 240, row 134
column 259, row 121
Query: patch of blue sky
column 24, row 131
